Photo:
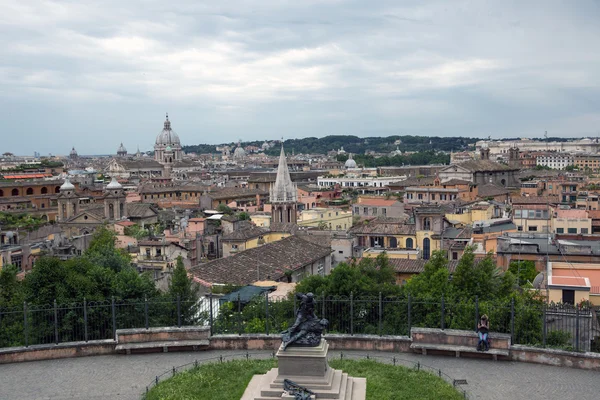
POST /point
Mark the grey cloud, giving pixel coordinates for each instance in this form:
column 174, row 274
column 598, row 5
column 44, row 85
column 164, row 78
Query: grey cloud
column 93, row 74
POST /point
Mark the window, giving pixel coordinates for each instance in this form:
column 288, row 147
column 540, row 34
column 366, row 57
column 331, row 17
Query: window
column 520, row 228
column 366, row 211
column 433, row 196
column 572, row 230
column 409, row 243
column 340, row 252
column 560, row 230
column 427, row 223
column 538, row 213
column 384, row 211
column 356, row 210
column 454, row 255
column 321, row 268
column 517, row 213
column 532, row 228
column 584, row 231
column 374, row 211
column 158, row 253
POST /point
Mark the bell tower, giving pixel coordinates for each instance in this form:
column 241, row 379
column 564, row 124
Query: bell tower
column 283, row 195
column 68, row 202
column 114, row 201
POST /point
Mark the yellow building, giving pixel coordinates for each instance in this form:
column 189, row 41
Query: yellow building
column 261, row 219
column 481, row 211
column 334, row 218
column 249, row 237
column 573, row 222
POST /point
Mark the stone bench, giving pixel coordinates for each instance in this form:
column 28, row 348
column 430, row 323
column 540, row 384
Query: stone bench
column 163, row 339
column 458, row 342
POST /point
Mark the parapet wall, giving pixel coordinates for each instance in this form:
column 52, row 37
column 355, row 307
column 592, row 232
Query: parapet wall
column 392, row 344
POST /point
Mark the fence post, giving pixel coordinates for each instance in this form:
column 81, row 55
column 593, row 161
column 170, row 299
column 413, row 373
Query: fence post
column 476, row 312
column 114, row 316
column 443, row 313
column 210, row 303
column 380, row 313
column 55, row 322
column 512, row 321
column 323, row 305
column 25, row 331
column 409, row 313
column 239, row 316
column 179, row 310
column 146, row 311
column 85, row 320
column 351, row 313
column 267, row 312
column 545, row 325
column 577, row 327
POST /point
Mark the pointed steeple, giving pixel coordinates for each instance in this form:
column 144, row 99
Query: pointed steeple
column 284, row 190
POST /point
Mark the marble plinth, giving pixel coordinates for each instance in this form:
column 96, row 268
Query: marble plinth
column 306, row 366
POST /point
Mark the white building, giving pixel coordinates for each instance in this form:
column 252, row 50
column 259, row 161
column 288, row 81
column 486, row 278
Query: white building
column 498, row 147
column 365, row 184
column 555, row 160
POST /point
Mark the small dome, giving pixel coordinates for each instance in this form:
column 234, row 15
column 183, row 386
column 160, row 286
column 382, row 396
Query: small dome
column 114, row 184
column 239, row 153
column 73, row 152
column 121, row 149
column 167, row 136
column 67, row 186
column 350, row 163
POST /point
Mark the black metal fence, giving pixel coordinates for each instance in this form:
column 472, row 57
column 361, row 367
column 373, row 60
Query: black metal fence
column 558, row 326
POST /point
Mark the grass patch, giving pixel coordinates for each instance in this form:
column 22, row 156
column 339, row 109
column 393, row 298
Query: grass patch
column 228, row 381
column 212, row 381
column 388, row 382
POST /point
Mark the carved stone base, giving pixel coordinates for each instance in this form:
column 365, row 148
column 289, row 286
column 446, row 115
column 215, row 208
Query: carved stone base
column 306, row 366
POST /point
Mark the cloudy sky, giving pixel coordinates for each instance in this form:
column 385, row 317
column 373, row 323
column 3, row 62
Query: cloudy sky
column 91, row 74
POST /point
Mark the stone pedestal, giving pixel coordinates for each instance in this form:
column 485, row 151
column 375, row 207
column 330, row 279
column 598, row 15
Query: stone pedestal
column 306, row 366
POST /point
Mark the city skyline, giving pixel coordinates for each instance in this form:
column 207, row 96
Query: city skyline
column 90, row 76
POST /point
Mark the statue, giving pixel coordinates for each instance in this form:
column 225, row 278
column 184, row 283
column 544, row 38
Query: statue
column 299, row 392
column 307, row 329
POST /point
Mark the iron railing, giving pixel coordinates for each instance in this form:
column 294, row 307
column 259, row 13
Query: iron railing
column 567, row 327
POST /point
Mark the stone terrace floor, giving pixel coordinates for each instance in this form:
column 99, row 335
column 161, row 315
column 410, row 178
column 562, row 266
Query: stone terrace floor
column 120, row 377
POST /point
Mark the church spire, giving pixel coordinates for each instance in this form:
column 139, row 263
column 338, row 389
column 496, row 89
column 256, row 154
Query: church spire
column 284, row 190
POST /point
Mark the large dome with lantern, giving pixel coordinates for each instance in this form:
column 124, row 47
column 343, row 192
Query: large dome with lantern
column 167, row 142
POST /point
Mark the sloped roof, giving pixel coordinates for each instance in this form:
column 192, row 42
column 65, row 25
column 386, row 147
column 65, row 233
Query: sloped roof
column 491, row 190
column 245, row 231
column 139, row 210
column 264, row 262
column 535, row 200
column 485, row 165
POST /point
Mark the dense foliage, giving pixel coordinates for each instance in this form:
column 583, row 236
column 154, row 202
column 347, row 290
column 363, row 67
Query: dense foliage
column 102, row 273
column 20, row 221
column 354, row 144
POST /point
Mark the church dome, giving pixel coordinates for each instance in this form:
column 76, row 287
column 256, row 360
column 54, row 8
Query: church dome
column 67, row 186
column 350, row 163
column 167, row 136
column 121, row 149
column 239, row 153
column 73, row 152
column 114, row 184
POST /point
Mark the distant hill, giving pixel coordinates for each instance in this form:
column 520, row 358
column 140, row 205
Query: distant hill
column 355, row 144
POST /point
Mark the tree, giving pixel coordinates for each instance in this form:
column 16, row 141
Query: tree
column 102, row 251
column 224, row 209
column 523, row 270
column 11, row 289
column 181, row 285
column 137, row 232
column 243, row 216
column 472, row 280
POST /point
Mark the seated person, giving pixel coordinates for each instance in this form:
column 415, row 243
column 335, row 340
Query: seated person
column 483, row 327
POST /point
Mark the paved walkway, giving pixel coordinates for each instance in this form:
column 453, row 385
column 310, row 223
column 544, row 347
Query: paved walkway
column 121, row 377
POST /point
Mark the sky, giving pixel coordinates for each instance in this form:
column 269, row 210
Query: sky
column 92, row 74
